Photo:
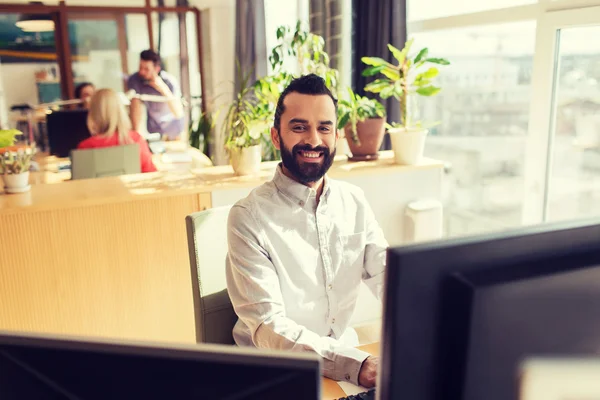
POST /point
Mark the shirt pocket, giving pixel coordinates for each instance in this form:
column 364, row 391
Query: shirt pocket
column 352, row 251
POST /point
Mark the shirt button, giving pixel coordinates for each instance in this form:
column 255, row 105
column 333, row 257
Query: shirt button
column 347, row 377
column 333, row 320
column 301, row 204
column 329, row 287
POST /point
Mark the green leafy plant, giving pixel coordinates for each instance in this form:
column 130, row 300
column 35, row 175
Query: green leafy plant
column 8, row 137
column 413, row 75
column 309, row 49
column 199, row 132
column 241, row 126
column 356, row 109
column 15, row 162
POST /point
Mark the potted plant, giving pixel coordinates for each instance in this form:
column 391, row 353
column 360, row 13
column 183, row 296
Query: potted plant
column 413, row 75
column 14, row 162
column 244, row 132
column 363, row 122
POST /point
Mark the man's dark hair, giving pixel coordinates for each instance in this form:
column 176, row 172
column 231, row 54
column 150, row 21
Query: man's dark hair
column 80, row 88
column 308, row 84
column 150, row 55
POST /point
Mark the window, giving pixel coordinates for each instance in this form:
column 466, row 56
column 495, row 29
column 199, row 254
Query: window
column 480, row 132
column 519, row 111
column 428, row 9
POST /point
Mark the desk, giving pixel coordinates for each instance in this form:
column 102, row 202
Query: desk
column 108, row 257
column 331, row 390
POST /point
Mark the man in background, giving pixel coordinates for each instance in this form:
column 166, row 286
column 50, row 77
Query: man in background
column 166, row 117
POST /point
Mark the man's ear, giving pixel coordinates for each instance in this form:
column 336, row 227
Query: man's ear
column 275, row 138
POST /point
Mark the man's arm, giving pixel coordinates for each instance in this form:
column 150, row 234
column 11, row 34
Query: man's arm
column 254, row 289
column 375, row 253
column 175, row 103
column 135, row 113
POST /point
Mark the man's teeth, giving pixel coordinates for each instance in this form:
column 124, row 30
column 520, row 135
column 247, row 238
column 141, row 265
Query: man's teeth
column 311, row 154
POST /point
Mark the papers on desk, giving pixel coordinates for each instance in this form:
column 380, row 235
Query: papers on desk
column 176, row 158
column 351, row 389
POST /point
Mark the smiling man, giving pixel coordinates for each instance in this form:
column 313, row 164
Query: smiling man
column 300, row 245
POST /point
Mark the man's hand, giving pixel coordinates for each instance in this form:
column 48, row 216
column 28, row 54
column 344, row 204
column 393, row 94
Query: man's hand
column 159, row 84
column 367, row 377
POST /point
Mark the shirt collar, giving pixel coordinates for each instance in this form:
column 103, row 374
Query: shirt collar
column 295, row 190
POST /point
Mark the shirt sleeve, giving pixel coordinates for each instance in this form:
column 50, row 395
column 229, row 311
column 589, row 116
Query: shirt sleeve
column 133, row 83
column 255, row 293
column 375, row 253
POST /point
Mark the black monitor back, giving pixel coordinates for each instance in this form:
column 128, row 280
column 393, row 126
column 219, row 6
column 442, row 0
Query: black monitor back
column 462, row 315
column 65, row 130
column 36, row 367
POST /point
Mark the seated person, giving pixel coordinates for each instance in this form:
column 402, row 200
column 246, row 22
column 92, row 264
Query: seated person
column 300, row 245
column 165, row 118
column 84, row 92
column 109, row 125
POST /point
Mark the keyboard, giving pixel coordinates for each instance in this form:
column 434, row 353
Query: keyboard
column 370, row 395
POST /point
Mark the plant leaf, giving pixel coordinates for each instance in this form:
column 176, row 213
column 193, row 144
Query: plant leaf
column 377, row 85
column 391, row 73
column 398, row 54
column 422, row 54
column 428, row 90
column 387, row 92
column 375, row 61
column 343, row 120
column 431, row 73
column 440, row 61
column 373, row 70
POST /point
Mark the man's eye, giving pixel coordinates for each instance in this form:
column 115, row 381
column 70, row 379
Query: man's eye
column 325, row 129
column 299, row 128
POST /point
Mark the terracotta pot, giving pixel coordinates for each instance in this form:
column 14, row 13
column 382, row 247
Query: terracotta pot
column 370, row 135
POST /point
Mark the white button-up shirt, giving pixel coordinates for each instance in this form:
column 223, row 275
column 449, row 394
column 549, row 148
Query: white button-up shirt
column 294, row 268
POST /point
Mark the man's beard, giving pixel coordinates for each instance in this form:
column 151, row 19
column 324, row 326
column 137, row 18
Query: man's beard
column 306, row 172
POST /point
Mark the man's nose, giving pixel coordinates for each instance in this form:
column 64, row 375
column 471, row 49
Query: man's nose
column 313, row 138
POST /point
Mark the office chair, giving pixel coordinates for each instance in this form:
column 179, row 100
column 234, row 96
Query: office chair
column 107, row 161
column 207, row 244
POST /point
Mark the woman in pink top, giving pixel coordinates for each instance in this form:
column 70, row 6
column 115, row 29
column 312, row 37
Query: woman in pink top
column 110, row 126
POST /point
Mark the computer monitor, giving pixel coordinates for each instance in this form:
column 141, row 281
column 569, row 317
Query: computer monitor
column 461, row 315
column 65, row 130
column 38, row 367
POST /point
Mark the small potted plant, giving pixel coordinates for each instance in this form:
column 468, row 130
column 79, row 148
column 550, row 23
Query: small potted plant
column 244, row 132
column 413, row 75
column 363, row 121
column 14, row 162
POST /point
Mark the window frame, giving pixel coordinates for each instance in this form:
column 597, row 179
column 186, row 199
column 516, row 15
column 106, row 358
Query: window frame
column 550, row 16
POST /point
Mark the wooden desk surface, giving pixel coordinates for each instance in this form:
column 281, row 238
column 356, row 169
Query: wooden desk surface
column 331, row 390
column 50, row 191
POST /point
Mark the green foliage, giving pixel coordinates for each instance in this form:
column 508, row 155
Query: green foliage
column 199, row 132
column 15, row 162
column 309, row 50
column 8, row 137
column 412, row 75
column 355, row 109
column 241, row 127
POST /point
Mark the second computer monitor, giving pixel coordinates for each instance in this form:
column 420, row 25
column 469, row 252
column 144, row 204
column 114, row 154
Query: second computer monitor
column 462, row 315
column 65, row 130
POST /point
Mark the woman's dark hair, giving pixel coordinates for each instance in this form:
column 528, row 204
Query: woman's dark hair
column 80, row 88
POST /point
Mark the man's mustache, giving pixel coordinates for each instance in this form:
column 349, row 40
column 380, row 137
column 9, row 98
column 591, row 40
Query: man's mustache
column 306, row 147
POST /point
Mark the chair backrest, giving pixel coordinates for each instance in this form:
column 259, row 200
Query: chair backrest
column 107, row 161
column 207, row 243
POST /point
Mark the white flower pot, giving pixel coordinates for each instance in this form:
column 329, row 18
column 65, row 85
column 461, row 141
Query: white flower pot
column 246, row 160
column 16, row 183
column 408, row 144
